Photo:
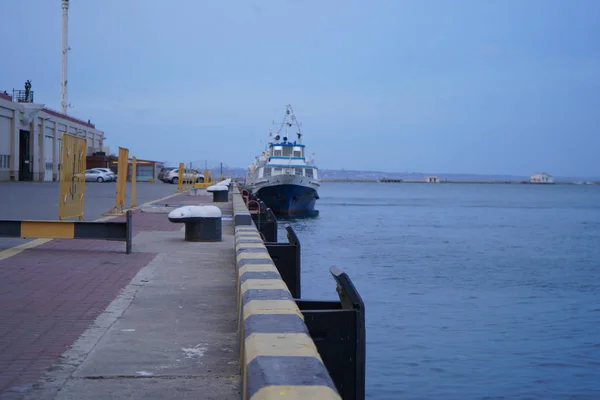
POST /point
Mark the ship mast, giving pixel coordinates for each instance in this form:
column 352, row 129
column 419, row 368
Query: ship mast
column 290, row 116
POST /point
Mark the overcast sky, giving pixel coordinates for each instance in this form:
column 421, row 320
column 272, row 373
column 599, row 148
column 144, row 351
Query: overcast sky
column 505, row 86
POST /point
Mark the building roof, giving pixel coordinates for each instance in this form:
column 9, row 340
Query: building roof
column 68, row 117
column 4, row 95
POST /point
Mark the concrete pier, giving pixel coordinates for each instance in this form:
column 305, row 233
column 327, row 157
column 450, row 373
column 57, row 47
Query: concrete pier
column 174, row 319
column 171, row 332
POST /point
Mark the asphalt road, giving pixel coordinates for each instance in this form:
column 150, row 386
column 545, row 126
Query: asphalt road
column 39, row 200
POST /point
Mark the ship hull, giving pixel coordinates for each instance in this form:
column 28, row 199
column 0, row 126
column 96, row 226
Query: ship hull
column 288, row 199
column 287, row 194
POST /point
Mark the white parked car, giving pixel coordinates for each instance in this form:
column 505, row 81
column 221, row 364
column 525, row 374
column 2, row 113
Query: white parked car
column 189, row 175
column 94, row 175
column 107, row 171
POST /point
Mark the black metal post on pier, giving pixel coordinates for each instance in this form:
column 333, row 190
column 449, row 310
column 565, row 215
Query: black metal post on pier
column 286, row 257
column 265, row 221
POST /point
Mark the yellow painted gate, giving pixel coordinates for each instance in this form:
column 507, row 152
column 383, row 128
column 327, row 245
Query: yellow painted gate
column 72, row 177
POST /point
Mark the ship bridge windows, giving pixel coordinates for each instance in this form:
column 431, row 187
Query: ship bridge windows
column 287, row 151
column 297, row 152
column 311, row 173
column 277, row 152
column 298, row 171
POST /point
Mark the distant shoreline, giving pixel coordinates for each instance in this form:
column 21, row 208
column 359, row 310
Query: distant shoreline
column 498, row 182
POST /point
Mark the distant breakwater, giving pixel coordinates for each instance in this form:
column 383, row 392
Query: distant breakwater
column 386, row 180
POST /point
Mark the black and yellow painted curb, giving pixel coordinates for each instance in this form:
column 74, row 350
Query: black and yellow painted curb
column 278, row 358
column 116, row 231
column 241, row 215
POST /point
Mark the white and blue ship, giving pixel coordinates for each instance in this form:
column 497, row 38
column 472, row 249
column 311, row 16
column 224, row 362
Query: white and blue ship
column 283, row 177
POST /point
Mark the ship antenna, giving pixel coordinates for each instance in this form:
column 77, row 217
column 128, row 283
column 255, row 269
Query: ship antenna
column 290, row 111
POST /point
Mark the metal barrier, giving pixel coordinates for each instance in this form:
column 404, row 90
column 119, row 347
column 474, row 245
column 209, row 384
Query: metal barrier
column 72, row 177
column 338, row 328
column 114, row 231
column 286, row 257
column 208, row 181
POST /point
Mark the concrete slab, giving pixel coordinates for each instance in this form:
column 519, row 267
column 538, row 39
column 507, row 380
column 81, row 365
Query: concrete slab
column 151, row 388
column 171, row 334
column 182, row 322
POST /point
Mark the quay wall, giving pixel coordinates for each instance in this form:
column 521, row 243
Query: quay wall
column 278, row 358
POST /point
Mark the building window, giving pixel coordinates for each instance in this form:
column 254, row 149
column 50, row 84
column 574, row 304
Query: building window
column 144, row 171
column 4, row 161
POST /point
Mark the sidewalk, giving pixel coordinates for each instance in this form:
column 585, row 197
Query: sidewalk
column 158, row 323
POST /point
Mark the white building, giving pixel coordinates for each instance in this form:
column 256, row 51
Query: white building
column 541, row 177
column 432, row 179
column 30, row 138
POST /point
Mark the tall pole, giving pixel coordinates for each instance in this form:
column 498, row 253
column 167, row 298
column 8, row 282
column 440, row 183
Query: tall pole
column 65, row 50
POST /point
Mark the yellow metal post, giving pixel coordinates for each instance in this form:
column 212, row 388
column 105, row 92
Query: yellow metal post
column 187, row 179
column 180, row 178
column 133, row 181
column 72, row 177
column 122, row 178
column 123, row 164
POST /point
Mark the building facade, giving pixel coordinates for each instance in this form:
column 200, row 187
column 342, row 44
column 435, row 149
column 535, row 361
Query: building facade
column 30, row 138
column 432, row 179
column 541, row 177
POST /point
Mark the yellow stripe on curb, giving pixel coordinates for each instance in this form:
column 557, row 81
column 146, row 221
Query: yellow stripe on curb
column 263, row 284
column 279, row 344
column 257, row 268
column 250, row 246
column 245, row 228
column 296, row 393
column 247, row 255
column 254, row 307
column 247, row 235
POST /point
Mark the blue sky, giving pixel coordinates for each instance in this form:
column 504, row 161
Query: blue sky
column 491, row 87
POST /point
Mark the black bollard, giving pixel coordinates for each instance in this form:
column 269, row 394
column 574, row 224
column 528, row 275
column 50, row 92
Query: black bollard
column 220, row 193
column 202, row 223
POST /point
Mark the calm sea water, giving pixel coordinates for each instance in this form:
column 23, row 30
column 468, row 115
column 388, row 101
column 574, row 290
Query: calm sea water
column 471, row 291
